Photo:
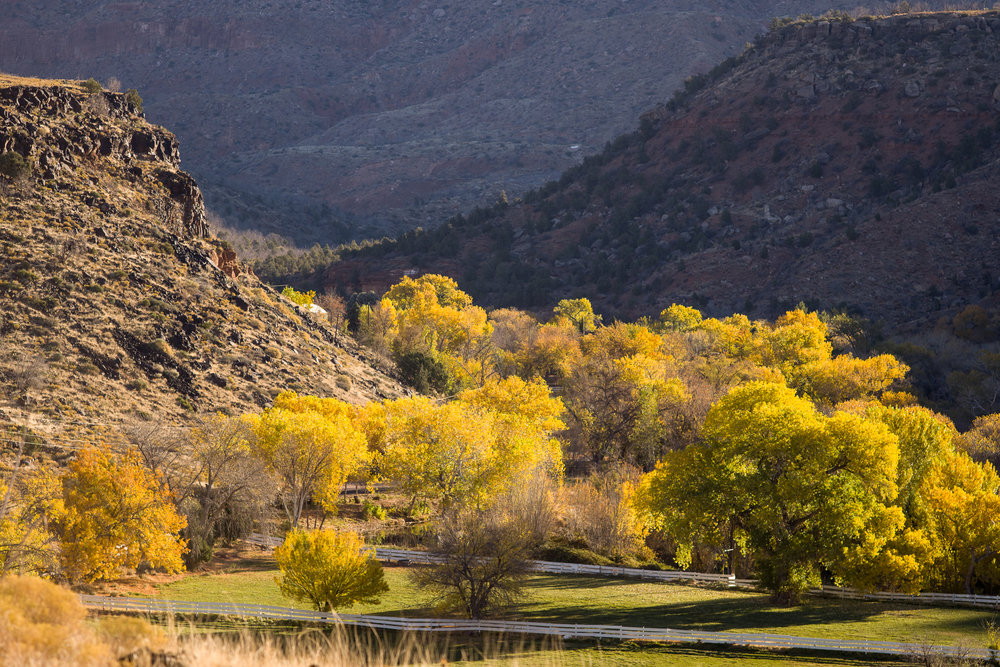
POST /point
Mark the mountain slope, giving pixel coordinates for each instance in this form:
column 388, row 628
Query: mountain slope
column 113, row 305
column 325, row 121
column 844, row 163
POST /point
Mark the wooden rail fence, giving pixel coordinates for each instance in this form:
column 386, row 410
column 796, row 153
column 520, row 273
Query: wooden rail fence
column 563, row 630
column 550, row 567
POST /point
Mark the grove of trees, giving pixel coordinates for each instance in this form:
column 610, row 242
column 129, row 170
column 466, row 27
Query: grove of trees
column 784, row 450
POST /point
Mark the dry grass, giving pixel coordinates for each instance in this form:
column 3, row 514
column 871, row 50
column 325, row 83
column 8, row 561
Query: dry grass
column 12, row 80
column 310, row 648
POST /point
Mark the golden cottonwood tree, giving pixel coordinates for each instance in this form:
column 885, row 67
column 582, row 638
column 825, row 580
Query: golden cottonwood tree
column 329, row 569
column 117, row 515
column 29, row 501
column 441, row 453
column 525, row 418
column 513, row 330
column 437, row 319
column 982, row 441
column 774, row 476
column 579, row 313
column 963, row 505
column 312, row 453
column 552, row 352
column 622, row 401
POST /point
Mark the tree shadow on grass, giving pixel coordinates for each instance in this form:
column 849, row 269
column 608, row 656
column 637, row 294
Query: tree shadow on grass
column 746, row 611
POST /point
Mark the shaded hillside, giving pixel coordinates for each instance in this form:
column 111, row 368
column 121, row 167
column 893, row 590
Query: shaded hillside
column 326, row 121
column 840, row 163
column 113, row 305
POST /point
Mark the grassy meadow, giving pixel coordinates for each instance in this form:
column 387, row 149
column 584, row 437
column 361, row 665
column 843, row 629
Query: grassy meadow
column 594, row 600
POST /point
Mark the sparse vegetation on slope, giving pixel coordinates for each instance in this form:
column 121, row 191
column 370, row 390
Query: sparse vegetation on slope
column 837, row 163
column 116, row 303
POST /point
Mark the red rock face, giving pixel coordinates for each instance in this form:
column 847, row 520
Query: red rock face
column 368, row 107
column 848, row 164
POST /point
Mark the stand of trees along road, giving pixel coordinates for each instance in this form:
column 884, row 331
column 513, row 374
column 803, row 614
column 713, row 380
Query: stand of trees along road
column 764, row 448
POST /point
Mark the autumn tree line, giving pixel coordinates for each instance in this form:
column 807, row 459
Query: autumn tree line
column 768, row 448
column 754, row 447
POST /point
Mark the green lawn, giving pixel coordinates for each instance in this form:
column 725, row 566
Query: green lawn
column 607, row 601
column 628, row 655
column 259, row 587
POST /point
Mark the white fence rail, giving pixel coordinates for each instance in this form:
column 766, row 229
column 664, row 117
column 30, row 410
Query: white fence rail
column 550, row 567
column 564, row 630
column 950, row 599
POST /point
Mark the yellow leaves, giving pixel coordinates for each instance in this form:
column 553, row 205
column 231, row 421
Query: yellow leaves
column 330, row 408
column 845, row 378
column 117, row 515
column 28, row 503
column 868, row 450
column 331, row 570
column 624, row 340
column 796, row 338
column 961, row 499
column 680, row 318
column 805, row 488
column 602, row 511
column 312, row 445
column 553, row 352
column 577, row 312
column 513, row 397
column 299, row 298
column 982, row 441
column 444, row 452
column 432, row 316
column 430, row 287
column 469, row 450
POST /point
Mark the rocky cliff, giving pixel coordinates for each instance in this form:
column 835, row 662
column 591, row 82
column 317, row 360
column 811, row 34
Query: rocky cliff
column 116, row 303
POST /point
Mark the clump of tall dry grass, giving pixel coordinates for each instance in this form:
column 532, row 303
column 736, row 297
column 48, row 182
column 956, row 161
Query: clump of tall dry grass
column 43, row 624
column 350, row 646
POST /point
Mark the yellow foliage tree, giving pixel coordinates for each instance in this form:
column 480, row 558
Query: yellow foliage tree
column 441, row 453
column 962, row 501
column 776, row 477
column 436, row 319
column 845, row 378
column 312, row 453
column 297, row 297
column 329, row 569
column 525, row 418
column 579, row 313
column 117, row 515
column 553, row 352
column 982, row 441
column 624, row 405
column 680, row 318
column 28, row 503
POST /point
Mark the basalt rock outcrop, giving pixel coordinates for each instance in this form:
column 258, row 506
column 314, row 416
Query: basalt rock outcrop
column 116, row 303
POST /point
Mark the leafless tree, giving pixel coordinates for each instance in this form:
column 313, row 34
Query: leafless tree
column 336, row 310
column 485, row 562
column 27, row 373
column 215, row 479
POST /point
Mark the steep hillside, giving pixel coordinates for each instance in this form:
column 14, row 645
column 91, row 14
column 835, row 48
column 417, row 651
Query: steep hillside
column 835, row 162
column 116, row 304
column 327, row 120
